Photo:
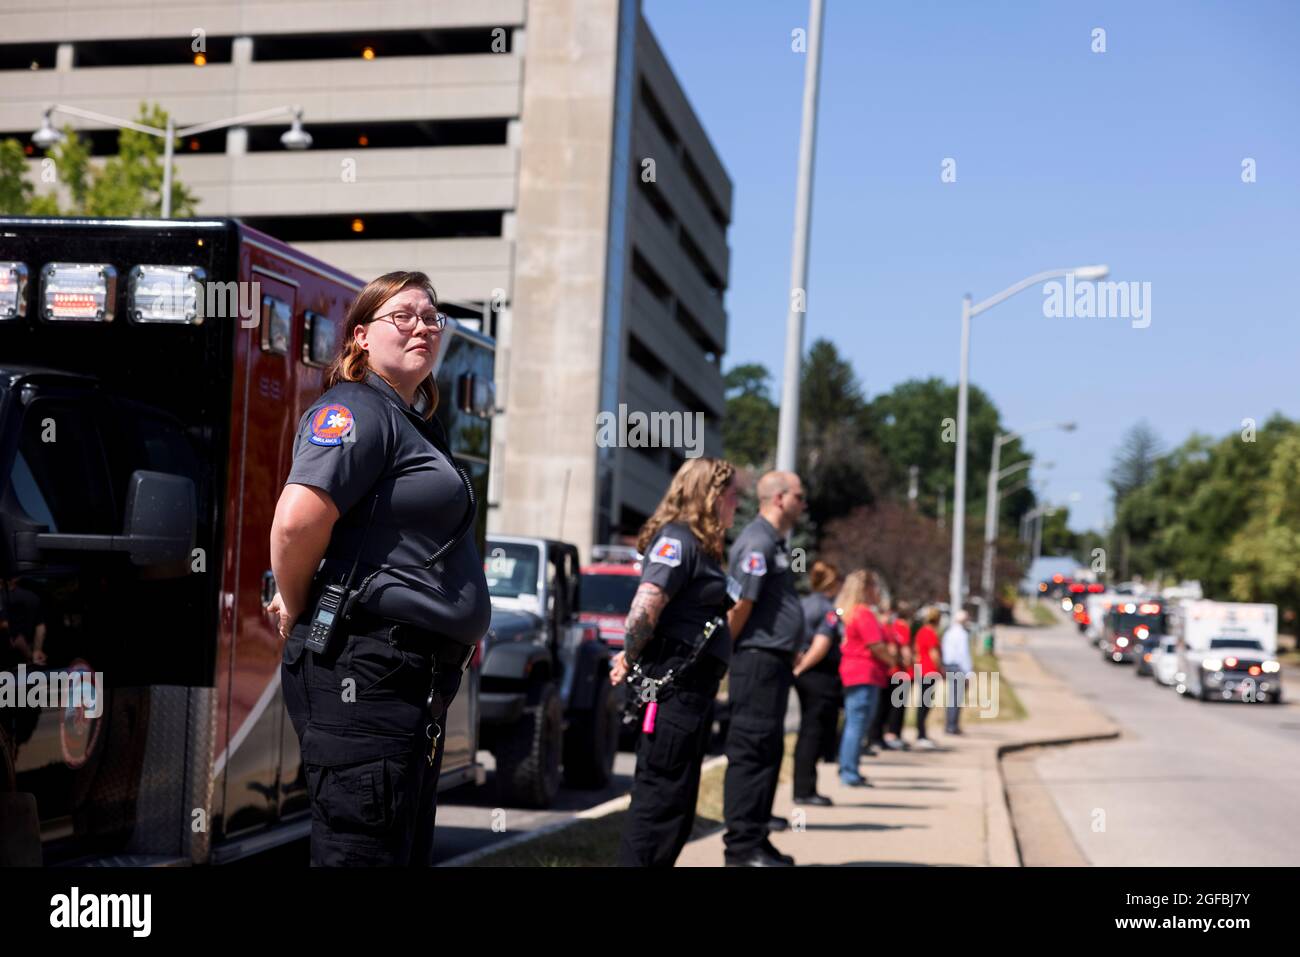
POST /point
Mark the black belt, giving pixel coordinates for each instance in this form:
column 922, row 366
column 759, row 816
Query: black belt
column 406, row 636
column 420, row 640
column 784, row 654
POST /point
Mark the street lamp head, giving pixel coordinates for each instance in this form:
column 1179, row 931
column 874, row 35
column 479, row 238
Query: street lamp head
column 1090, row 273
column 47, row 136
column 296, row 138
column 1069, row 426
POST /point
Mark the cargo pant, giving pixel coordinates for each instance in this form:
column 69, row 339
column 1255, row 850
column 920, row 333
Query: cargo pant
column 363, row 725
column 758, row 694
column 666, row 786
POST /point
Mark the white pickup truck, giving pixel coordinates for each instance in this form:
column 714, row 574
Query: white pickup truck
column 1228, row 650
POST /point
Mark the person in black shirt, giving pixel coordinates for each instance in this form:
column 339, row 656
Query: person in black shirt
column 372, row 498
column 683, row 588
column 817, row 680
column 769, row 628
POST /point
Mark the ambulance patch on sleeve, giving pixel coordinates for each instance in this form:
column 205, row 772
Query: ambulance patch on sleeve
column 667, row 551
column 331, row 425
column 755, row 564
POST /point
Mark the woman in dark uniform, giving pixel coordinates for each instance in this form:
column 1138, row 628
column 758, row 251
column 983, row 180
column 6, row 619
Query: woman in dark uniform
column 683, row 588
column 375, row 493
column 817, row 679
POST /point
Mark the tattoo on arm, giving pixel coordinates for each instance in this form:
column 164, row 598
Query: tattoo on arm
column 647, row 604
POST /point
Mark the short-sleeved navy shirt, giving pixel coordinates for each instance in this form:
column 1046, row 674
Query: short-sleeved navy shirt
column 821, row 618
column 760, row 563
column 696, row 587
column 361, row 441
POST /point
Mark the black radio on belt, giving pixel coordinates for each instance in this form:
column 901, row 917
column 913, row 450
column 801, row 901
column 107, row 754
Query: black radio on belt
column 325, row 619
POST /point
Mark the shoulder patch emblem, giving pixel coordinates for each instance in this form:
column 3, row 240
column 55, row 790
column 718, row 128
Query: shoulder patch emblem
column 667, row 551
column 832, row 619
column 755, row 564
column 331, row 425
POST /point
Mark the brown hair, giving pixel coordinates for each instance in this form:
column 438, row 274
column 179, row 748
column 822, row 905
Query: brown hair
column 692, row 498
column 350, row 365
column 822, row 576
column 933, row 616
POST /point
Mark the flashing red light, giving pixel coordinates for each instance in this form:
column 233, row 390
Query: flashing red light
column 1141, row 631
column 1254, row 669
column 1076, row 589
column 1149, row 608
column 1057, row 579
column 1096, row 589
column 1230, row 662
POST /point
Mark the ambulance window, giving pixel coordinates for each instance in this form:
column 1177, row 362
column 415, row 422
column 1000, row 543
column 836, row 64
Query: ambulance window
column 61, row 452
column 29, row 495
column 320, row 342
column 276, row 319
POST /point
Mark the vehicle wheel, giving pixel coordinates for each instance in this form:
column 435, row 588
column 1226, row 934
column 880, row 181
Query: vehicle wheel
column 592, row 739
column 528, row 755
column 1203, row 694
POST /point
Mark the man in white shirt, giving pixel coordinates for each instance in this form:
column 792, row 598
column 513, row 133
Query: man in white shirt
column 957, row 666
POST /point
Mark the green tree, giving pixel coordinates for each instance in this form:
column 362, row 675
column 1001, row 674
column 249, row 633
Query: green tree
column 15, row 190
column 915, row 424
column 749, row 425
column 1266, row 550
column 839, row 462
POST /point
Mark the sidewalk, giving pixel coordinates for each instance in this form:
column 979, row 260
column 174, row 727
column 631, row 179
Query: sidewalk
column 931, row 808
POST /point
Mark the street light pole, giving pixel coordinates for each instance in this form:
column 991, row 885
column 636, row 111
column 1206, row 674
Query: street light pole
column 991, row 509
column 959, row 484
column 295, row 138
column 788, row 431
column 167, row 168
column 968, row 312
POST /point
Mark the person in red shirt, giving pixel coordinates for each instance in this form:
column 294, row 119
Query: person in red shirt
column 900, row 678
column 865, row 660
column 926, row 653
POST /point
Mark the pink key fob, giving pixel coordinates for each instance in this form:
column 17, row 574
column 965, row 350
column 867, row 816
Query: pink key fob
column 648, row 723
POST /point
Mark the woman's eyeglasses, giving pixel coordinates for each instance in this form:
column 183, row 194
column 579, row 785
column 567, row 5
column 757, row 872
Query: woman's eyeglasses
column 405, row 321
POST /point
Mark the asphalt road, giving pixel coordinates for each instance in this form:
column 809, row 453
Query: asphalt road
column 1188, row 783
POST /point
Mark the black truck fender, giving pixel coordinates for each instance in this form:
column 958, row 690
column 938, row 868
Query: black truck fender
column 519, row 661
column 590, row 665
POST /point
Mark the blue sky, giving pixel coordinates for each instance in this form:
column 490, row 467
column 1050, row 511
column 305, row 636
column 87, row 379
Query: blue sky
column 1064, row 157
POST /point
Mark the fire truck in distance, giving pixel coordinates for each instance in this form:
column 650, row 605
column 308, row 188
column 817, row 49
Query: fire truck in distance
column 152, row 374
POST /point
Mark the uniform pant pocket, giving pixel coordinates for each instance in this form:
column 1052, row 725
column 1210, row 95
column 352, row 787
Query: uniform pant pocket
column 673, row 743
column 364, row 798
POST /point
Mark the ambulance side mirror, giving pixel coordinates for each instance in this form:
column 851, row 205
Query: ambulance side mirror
column 161, row 518
column 159, row 527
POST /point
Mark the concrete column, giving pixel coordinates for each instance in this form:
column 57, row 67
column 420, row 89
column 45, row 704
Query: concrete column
column 237, row 140
column 553, row 359
column 241, row 52
column 63, row 57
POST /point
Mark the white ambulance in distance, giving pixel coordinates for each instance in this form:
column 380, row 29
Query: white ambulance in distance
column 1228, row 650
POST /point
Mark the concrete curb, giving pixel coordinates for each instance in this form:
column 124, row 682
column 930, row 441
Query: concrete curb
column 1000, row 818
column 611, row 806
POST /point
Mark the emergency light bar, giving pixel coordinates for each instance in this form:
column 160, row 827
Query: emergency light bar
column 165, row 294
column 82, row 292
column 1151, row 608
column 13, row 290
